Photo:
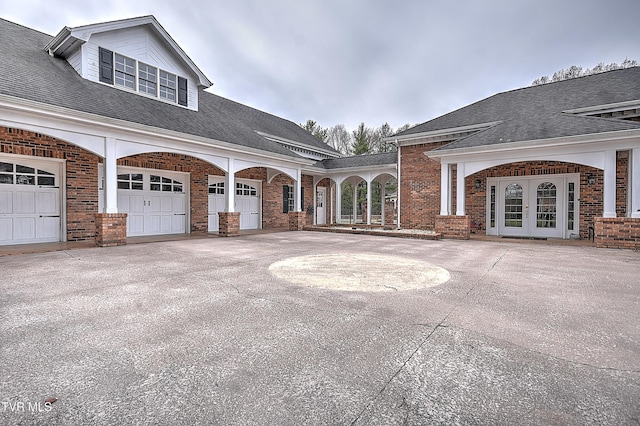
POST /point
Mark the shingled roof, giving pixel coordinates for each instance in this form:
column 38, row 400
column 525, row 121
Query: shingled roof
column 538, row 112
column 28, row 72
column 381, row 159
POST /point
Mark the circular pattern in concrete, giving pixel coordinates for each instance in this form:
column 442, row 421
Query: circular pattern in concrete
column 359, row 272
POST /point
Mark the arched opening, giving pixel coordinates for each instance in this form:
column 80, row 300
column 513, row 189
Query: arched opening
column 48, row 189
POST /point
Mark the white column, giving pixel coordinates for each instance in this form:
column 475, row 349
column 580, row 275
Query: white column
column 460, row 190
column 331, row 208
column 230, row 188
column 298, row 185
column 110, row 176
column 368, row 202
column 315, row 204
column 445, row 188
column 609, row 187
column 382, row 199
column 634, row 184
column 355, row 202
column 338, row 201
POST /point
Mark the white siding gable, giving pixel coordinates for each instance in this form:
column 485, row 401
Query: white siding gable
column 139, row 43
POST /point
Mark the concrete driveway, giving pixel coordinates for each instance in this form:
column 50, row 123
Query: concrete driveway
column 217, row 331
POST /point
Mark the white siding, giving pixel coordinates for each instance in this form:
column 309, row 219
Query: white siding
column 142, row 44
column 76, row 61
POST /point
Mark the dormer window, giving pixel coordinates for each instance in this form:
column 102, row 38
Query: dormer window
column 167, row 86
column 119, row 70
column 125, row 72
column 147, row 77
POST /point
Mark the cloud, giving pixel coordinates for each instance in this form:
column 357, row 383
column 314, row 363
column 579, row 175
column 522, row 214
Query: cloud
column 374, row 61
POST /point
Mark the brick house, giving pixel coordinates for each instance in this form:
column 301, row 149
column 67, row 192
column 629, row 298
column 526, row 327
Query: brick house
column 107, row 132
column 561, row 160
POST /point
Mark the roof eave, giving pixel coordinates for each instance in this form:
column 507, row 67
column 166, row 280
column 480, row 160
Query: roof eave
column 536, row 143
column 439, row 135
column 82, row 33
column 82, row 117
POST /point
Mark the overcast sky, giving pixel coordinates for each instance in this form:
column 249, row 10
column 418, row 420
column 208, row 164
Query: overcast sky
column 375, row 61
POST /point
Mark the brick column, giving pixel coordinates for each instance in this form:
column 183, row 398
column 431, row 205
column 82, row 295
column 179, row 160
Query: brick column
column 296, row 221
column 111, row 229
column 228, row 224
column 620, row 232
column 454, row 227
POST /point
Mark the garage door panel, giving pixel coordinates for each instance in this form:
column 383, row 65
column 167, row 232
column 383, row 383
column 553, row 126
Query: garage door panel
column 166, row 204
column 6, row 202
column 24, row 202
column 47, row 203
column 177, row 223
column 135, row 224
column 6, row 229
column 48, row 228
column 30, row 201
column 153, row 208
column 24, row 228
column 178, row 204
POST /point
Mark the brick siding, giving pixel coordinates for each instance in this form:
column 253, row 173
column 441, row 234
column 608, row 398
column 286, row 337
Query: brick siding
column 618, row 232
column 81, row 180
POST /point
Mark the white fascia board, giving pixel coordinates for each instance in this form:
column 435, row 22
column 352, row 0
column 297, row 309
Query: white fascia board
column 599, row 109
column 342, row 170
column 605, row 140
column 406, row 139
column 295, row 144
column 96, row 125
column 84, row 33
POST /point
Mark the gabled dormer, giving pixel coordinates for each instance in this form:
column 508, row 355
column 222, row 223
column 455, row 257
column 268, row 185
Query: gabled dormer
column 136, row 55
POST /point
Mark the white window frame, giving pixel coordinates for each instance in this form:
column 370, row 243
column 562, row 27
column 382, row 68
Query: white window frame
column 138, row 80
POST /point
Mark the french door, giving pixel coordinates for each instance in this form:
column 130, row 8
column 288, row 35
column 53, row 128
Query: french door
column 533, row 206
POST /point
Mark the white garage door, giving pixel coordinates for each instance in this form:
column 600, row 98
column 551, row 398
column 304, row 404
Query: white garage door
column 247, row 202
column 155, row 201
column 29, row 201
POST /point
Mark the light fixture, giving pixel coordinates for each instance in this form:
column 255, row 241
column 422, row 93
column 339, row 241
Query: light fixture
column 591, row 179
column 478, row 184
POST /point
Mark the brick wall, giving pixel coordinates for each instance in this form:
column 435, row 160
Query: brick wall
column 618, row 232
column 590, row 195
column 111, row 229
column 199, row 180
column 272, row 215
column 81, row 178
column 453, row 227
column 419, row 187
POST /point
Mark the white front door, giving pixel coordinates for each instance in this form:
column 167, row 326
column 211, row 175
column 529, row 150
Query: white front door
column 321, row 211
column 533, row 206
column 247, row 202
column 155, row 201
column 29, row 200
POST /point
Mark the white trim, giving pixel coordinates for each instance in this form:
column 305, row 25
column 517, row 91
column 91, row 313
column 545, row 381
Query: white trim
column 290, row 143
column 96, row 126
column 562, row 197
column 61, row 176
column 442, row 134
column 608, row 138
column 67, row 37
column 605, row 108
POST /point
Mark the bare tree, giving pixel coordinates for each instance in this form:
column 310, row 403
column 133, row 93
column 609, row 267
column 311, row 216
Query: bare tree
column 575, row 71
column 339, row 139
